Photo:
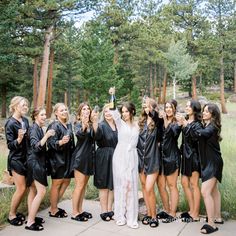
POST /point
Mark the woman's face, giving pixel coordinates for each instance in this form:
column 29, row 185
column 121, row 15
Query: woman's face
column 188, row 109
column 41, row 118
column 169, row 110
column 125, row 114
column 107, row 114
column 62, row 112
column 85, row 112
column 22, row 108
column 206, row 115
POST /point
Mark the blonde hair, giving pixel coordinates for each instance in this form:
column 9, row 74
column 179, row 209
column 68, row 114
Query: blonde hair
column 107, row 105
column 15, row 101
column 56, row 106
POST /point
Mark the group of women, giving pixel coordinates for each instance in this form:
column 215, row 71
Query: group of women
column 118, row 151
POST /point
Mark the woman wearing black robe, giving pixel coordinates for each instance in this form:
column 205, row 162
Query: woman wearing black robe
column 211, row 165
column 60, row 149
column 190, row 165
column 36, row 163
column 149, row 157
column 82, row 160
column 16, row 135
column 106, row 140
column 170, row 165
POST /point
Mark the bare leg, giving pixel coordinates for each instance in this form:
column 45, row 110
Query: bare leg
column 103, row 196
column 207, row 190
column 63, row 187
column 150, row 194
column 194, row 181
column 54, row 195
column 161, row 183
column 185, row 181
column 78, row 193
column 110, row 200
column 20, row 184
column 41, row 191
column 174, row 193
column 217, row 201
column 142, row 177
column 31, row 195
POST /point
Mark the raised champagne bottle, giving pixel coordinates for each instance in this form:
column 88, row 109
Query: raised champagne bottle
column 112, row 102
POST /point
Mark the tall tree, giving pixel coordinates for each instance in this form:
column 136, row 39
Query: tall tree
column 180, row 64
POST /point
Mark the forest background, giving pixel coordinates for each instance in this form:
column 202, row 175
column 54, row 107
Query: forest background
column 163, row 49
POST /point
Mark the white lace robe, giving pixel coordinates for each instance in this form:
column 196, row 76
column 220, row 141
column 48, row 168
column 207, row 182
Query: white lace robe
column 125, row 172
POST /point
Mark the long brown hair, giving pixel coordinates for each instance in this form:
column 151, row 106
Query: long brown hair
column 144, row 116
column 215, row 117
column 78, row 113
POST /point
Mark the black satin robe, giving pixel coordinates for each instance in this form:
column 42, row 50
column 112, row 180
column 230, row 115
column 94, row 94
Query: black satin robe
column 17, row 156
column 106, row 140
column 171, row 155
column 37, row 155
column 190, row 151
column 60, row 156
column 83, row 156
column 148, row 146
column 210, row 154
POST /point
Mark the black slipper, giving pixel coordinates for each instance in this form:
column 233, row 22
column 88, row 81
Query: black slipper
column 16, row 221
column 38, row 220
column 20, row 216
column 185, row 215
column 59, row 214
column 208, row 229
column 169, row 219
column 79, row 217
column 87, row 214
column 34, row 227
column 162, row 215
column 220, row 222
column 111, row 214
column 146, row 220
column 154, row 222
column 105, row 216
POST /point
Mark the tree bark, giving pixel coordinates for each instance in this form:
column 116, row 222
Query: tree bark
column 150, row 81
column 222, row 96
column 235, row 77
column 4, row 100
column 44, row 68
column 155, row 81
column 66, row 98
column 163, row 100
column 50, row 79
column 194, row 87
column 35, row 83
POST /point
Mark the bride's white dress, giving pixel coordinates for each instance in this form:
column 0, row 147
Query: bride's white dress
column 125, row 173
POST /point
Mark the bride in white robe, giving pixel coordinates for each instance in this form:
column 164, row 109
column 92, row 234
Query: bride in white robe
column 125, row 167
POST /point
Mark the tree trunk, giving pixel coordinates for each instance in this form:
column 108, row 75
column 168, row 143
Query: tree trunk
column 4, row 100
column 222, row 96
column 174, row 87
column 66, row 98
column 150, row 81
column 35, row 83
column 155, row 81
column 235, row 77
column 50, row 79
column 163, row 100
column 194, row 87
column 44, row 68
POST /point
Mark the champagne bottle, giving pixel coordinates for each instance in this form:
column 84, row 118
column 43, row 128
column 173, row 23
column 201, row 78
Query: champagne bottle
column 112, row 102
